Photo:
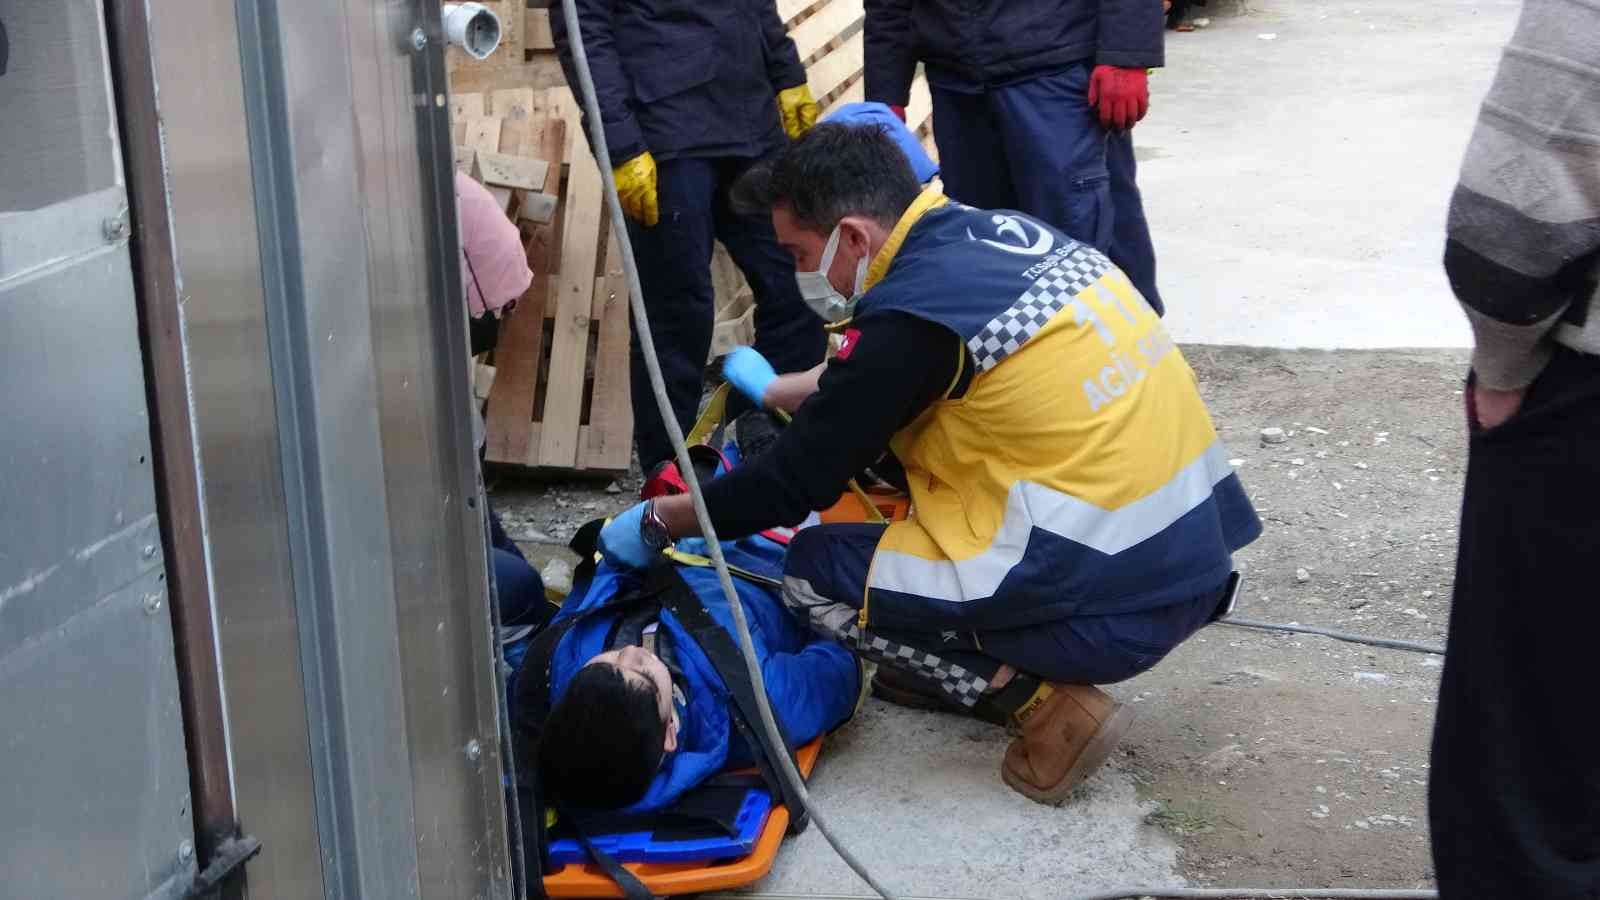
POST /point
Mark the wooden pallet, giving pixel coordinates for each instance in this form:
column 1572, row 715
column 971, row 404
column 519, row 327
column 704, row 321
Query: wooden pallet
column 560, row 397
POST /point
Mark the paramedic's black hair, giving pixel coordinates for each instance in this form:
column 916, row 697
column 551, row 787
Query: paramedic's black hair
column 831, row 172
column 602, row 742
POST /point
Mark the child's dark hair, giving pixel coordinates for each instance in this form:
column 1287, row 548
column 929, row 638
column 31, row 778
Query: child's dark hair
column 603, row 741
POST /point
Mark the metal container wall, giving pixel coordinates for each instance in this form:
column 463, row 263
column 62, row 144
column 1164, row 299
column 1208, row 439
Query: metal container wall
column 96, row 785
column 314, row 224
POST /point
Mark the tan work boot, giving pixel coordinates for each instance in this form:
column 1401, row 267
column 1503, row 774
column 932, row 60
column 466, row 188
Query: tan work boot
column 1064, row 739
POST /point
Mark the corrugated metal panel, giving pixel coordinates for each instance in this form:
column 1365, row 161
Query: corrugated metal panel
column 95, row 793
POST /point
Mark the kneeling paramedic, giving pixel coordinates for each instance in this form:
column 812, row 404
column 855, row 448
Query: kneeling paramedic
column 1074, row 514
column 651, row 694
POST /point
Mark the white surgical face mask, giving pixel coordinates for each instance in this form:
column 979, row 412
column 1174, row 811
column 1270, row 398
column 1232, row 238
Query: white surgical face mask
column 818, row 291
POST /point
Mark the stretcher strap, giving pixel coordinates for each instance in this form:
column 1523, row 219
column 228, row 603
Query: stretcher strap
column 710, row 418
column 718, row 646
column 632, row 888
column 703, row 562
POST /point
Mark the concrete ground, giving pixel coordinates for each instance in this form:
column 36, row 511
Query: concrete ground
column 1297, row 187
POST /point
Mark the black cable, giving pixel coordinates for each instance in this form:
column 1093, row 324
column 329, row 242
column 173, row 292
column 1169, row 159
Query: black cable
column 1390, row 643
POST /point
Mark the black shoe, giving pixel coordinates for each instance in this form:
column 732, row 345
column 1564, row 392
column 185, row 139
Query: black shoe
column 755, row 432
column 904, row 689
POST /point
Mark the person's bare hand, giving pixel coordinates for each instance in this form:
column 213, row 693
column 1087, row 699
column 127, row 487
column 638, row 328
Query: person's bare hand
column 1492, row 407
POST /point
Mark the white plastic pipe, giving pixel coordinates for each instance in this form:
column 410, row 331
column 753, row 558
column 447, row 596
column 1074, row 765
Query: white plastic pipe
column 473, row 27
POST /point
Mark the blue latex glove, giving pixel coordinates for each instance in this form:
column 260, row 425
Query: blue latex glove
column 620, row 541
column 750, row 372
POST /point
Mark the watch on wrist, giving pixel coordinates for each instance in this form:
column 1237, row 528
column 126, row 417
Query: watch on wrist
column 652, row 530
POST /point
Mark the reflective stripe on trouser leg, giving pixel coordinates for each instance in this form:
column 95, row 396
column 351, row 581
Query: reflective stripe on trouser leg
column 837, row 620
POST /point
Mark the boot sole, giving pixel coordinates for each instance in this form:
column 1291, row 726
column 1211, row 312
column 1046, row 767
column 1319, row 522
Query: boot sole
column 1094, row 755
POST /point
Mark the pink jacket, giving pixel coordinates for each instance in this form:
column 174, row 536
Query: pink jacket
column 493, row 263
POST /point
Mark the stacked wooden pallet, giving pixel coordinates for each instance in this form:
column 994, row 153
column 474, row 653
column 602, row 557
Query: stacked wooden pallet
column 560, row 395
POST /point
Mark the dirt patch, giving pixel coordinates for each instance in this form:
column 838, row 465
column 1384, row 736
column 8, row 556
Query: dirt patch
column 1278, row 760
column 1285, row 760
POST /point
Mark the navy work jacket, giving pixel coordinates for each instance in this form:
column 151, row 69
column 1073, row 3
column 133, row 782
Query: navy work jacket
column 685, row 78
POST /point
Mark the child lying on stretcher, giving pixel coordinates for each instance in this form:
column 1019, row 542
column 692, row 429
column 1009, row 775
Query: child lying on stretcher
column 639, row 713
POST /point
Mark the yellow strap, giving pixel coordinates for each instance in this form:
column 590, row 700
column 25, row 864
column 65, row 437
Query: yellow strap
column 693, row 559
column 710, row 418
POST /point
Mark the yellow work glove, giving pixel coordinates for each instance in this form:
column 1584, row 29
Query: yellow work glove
column 636, row 188
column 797, row 109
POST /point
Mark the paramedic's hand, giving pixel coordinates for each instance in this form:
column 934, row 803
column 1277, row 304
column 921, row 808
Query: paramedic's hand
column 749, row 371
column 636, row 188
column 622, row 543
column 797, row 109
column 1122, row 96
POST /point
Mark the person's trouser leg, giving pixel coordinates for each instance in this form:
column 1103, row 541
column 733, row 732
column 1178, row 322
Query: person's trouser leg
column 825, row 577
column 788, row 333
column 1101, row 649
column 1067, row 729
column 966, row 133
column 674, row 259
column 520, row 589
column 1514, row 788
column 498, row 539
column 1070, row 172
column 1131, row 247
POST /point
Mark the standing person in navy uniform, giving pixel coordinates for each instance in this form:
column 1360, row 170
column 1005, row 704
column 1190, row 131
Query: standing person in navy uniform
column 1034, row 102
column 691, row 95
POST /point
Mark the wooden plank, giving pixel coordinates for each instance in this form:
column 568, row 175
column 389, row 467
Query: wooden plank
column 465, row 156
column 509, row 170
column 919, row 112
column 536, row 32
column 466, row 106
column 830, row 72
column 518, row 110
column 483, row 134
column 789, row 10
column 569, row 346
column 828, row 23
column 517, row 104
column 511, row 436
column 540, row 73
column 538, row 208
column 610, row 444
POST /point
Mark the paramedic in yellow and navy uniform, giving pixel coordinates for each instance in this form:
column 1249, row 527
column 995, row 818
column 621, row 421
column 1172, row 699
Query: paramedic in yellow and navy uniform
column 1074, row 514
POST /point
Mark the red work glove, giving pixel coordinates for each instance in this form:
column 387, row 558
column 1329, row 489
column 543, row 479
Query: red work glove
column 899, row 111
column 1122, row 96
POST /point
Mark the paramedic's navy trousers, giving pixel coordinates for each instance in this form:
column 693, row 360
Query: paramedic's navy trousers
column 825, row 581
column 674, row 260
column 1037, row 146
